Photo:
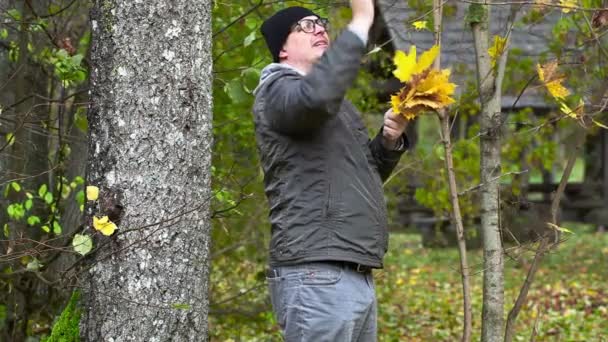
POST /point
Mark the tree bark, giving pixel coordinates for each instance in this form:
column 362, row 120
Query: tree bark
column 490, row 124
column 150, row 155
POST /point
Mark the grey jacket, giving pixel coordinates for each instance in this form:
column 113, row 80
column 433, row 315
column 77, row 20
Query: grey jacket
column 323, row 176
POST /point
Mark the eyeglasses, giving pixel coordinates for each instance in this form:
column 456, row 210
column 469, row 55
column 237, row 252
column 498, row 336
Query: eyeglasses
column 309, row 25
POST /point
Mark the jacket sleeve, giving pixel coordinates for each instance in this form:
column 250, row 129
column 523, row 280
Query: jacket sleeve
column 385, row 159
column 296, row 104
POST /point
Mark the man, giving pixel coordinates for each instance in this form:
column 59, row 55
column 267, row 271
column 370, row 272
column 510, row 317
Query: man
column 323, row 177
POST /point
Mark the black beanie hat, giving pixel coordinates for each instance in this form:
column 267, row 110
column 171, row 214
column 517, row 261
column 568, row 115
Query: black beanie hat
column 276, row 28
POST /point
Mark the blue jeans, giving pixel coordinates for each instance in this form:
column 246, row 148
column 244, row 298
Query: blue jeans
column 324, row 301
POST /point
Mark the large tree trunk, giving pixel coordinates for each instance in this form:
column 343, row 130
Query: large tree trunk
column 150, row 155
column 490, row 124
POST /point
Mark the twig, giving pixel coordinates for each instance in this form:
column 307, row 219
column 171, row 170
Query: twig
column 478, row 186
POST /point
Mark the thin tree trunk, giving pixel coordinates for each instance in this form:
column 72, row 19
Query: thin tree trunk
column 462, row 247
column 490, row 124
column 150, row 155
column 444, row 119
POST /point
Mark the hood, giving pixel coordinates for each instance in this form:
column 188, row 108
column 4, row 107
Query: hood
column 272, row 69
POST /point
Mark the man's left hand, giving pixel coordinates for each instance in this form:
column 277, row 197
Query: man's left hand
column 394, row 126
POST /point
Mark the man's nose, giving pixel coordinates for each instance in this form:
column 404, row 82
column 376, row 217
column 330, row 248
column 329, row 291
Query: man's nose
column 319, row 29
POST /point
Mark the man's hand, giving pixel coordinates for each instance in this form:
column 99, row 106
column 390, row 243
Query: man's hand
column 394, row 126
column 363, row 13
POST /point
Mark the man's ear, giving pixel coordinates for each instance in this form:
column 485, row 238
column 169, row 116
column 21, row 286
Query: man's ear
column 282, row 54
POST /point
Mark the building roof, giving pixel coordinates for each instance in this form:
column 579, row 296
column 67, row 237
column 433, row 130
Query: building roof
column 457, row 50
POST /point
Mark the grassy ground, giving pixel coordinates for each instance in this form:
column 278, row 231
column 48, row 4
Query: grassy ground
column 420, row 294
column 420, row 297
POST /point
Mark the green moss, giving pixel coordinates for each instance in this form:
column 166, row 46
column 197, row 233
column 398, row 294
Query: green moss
column 477, row 14
column 67, row 329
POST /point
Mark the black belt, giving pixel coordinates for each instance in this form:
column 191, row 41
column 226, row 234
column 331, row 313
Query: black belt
column 272, row 272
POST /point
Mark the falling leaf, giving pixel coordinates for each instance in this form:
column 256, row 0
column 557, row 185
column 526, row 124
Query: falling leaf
column 552, row 80
column 425, row 89
column 92, row 193
column 104, row 225
column 497, row 49
column 82, row 244
column 567, row 5
column 420, row 25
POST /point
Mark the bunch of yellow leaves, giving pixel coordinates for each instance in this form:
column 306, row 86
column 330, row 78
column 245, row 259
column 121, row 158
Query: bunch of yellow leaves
column 425, row 88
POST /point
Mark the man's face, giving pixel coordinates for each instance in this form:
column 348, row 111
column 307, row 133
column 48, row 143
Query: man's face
column 305, row 48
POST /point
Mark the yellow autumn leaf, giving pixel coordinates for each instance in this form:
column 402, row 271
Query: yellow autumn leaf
column 550, row 77
column 104, row 225
column 576, row 113
column 92, row 193
column 567, row 5
column 497, row 49
column 406, row 63
column 557, row 90
column 437, row 81
column 426, row 59
column 395, row 103
column 420, row 25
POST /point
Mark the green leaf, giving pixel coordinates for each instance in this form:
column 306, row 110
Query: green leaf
column 29, row 195
column 56, row 228
column 10, row 138
column 48, row 198
column 235, row 91
column 42, row 190
column 6, row 230
column 16, row 186
column 65, row 191
column 3, row 33
column 46, row 229
column 79, row 180
column 77, row 59
column 16, row 211
column 34, row 265
column 28, row 204
column 82, row 244
column 250, row 78
column 80, row 120
column 249, row 39
column 80, row 197
column 33, row 220
column 476, row 14
column 14, row 13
